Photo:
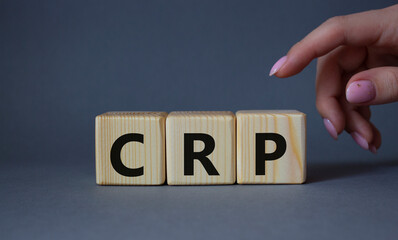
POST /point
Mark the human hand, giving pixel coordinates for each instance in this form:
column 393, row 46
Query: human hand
column 357, row 67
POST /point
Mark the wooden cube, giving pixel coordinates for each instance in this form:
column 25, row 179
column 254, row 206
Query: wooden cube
column 200, row 148
column 130, row 148
column 271, row 147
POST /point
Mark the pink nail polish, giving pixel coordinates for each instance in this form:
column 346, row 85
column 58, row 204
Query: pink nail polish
column 277, row 65
column 360, row 140
column 361, row 91
column 330, row 128
column 372, row 149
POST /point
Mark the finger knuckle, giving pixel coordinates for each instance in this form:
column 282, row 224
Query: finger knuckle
column 335, row 24
column 391, row 84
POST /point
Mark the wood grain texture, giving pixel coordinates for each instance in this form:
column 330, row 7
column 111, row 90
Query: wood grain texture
column 291, row 167
column 151, row 154
column 219, row 125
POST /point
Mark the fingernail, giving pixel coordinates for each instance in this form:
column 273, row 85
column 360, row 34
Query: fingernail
column 277, row 65
column 361, row 91
column 372, row 148
column 330, row 128
column 360, row 140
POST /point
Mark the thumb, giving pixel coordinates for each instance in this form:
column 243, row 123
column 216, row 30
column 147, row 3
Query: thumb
column 373, row 86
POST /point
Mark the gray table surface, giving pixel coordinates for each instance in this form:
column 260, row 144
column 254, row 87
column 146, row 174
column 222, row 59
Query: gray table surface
column 339, row 201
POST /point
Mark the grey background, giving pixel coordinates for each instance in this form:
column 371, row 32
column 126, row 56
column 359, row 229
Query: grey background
column 64, row 62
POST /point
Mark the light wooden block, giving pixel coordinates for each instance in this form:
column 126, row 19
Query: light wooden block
column 290, row 168
column 147, row 156
column 180, row 126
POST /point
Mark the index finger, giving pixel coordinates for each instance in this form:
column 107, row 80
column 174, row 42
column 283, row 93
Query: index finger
column 360, row 29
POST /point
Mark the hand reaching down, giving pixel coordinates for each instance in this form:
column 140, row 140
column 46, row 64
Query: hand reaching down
column 357, row 67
